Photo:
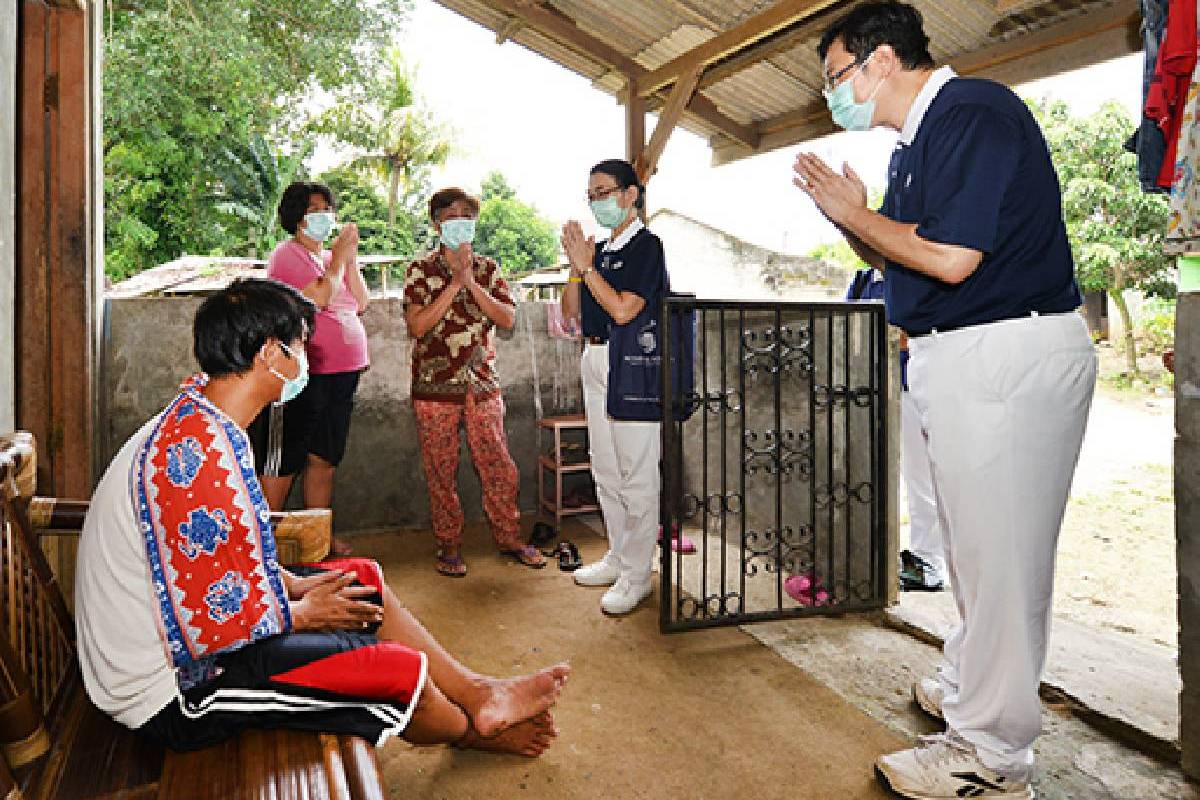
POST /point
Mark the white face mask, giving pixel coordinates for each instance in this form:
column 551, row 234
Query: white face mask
column 292, row 387
column 318, row 225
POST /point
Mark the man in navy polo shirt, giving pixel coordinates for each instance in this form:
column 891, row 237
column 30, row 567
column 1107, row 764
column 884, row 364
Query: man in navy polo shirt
column 978, row 272
column 923, row 564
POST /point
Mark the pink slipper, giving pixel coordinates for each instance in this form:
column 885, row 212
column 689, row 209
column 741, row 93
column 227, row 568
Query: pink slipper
column 679, row 542
column 801, row 588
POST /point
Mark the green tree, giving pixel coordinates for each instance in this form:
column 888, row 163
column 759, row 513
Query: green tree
column 361, row 201
column 397, row 139
column 512, row 232
column 496, row 185
column 183, row 79
column 1116, row 230
column 251, row 180
column 839, row 252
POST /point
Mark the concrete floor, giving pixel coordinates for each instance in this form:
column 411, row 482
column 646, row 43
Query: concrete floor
column 802, row 716
column 704, row 715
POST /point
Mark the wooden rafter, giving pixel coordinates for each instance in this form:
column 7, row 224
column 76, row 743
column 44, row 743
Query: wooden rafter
column 681, row 95
column 552, row 24
column 776, row 18
column 509, row 30
column 1078, row 35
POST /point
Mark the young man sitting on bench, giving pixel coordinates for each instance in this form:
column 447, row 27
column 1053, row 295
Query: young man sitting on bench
column 190, row 631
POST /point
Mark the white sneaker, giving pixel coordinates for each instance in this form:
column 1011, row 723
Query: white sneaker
column 600, row 573
column 929, row 694
column 624, row 596
column 945, row 767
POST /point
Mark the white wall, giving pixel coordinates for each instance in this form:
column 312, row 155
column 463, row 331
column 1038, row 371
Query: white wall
column 713, row 266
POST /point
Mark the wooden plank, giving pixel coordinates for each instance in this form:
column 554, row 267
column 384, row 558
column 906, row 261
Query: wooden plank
column 362, row 768
column 635, row 128
column 777, row 17
column 561, row 29
column 681, row 95
column 564, row 30
column 32, row 291
column 1123, row 16
column 70, row 265
column 1079, row 42
column 703, row 108
column 781, row 41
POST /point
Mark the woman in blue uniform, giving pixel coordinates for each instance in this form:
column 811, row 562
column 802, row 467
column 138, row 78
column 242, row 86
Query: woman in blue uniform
column 610, row 283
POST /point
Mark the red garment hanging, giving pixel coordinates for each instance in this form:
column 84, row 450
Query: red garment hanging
column 1166, row 96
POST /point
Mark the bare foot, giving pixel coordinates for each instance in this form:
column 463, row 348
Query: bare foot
column 530, row 738
column 504, row 703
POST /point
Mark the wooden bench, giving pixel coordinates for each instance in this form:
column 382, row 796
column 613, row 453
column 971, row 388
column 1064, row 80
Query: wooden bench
column 56, row 744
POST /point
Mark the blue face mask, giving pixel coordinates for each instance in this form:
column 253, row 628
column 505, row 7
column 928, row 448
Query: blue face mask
column 608, row 213
column 292, row 387
column 847, row 113
column 457, row 232
column 318, row 225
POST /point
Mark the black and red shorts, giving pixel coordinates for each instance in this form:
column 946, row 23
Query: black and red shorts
column 342, row 682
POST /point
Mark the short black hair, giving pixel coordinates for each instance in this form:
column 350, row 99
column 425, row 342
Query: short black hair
column 232, row 325
column 624, row 174
column 293, row 205
column 867, row 26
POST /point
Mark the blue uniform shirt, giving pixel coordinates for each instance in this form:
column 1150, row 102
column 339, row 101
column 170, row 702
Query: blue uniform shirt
column 978, row 174
column 638, row 267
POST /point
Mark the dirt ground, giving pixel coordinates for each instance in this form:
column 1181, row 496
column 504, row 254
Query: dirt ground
column 712, row 714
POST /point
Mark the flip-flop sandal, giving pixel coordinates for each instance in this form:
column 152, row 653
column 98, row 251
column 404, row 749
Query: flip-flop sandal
column 451, row 566
column 805, row 591
column 568, row 557
column 525, row 556
column 679, row 542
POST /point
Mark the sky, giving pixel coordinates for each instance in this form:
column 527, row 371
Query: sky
column 544, row 127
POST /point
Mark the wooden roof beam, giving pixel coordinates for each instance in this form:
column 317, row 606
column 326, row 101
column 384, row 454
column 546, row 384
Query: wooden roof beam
column 781, row 41
column 538, row 17
column 776, row 18
column 681, row 95
column 564, row 30
column 1080, row 41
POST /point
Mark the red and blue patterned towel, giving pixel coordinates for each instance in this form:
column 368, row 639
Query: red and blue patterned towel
column 207, row 531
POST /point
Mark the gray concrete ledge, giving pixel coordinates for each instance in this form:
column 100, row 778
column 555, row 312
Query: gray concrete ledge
column 1123, row 687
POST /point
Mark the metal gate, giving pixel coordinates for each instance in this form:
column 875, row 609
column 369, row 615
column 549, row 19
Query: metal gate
column 780, row 471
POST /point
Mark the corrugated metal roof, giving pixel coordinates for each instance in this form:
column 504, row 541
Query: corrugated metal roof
column 784, row 88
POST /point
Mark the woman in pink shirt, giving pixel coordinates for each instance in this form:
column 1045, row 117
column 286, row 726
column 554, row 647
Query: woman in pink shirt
column 316, row 422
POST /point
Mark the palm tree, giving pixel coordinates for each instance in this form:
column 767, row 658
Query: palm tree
column 398, row 140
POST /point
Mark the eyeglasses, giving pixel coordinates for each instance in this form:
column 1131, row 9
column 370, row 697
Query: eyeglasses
column 600, row 194
column 832, row 80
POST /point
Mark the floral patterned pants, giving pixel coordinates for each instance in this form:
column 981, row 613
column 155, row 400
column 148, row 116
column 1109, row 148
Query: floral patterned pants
column 438, row 424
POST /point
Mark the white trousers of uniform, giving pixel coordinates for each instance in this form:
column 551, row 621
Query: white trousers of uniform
column 925, row 533
column 625, row 467
column 1004, row 406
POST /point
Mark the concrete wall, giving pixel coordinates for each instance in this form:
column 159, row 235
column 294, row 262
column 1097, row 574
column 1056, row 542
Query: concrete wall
column 380, row 483
column 8, row 132
column 712, row 264
column 1187, row 521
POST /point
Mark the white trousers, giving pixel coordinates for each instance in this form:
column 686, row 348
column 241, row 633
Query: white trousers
column 925, row 533
column 625, row 466
column 1004, row 406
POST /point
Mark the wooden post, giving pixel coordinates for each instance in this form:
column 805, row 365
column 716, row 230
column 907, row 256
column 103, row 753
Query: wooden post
column 635, row 130
column 56, row 257
column 672, row 112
